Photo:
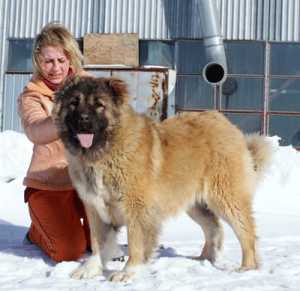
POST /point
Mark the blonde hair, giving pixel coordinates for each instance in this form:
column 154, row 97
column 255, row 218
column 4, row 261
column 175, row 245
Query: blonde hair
column 55, row 34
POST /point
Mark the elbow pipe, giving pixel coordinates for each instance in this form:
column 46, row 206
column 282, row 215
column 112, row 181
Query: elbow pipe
column 215, row 70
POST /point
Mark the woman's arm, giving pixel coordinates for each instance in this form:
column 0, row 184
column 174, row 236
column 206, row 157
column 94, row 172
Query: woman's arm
column 38, row 125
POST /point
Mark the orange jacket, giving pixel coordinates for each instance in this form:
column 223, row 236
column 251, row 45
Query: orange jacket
column 48, row 167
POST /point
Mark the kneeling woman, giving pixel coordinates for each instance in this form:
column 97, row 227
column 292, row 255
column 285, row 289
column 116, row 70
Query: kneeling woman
column 59, row 226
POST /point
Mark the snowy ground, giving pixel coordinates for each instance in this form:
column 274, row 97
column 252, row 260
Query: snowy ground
column 277, row 212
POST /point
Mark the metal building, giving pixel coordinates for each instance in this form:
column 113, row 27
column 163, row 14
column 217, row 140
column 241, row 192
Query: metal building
column 262, row 44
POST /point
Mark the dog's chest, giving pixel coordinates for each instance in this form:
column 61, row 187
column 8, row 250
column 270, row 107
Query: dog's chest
column 92, row 190
column 89, row 182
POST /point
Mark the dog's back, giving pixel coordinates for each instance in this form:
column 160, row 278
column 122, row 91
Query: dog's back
column 201, row 148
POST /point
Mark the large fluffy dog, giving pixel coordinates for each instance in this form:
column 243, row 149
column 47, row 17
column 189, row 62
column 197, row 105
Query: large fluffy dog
column 131, row 171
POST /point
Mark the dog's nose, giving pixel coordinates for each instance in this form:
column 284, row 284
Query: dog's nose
column 84, row 117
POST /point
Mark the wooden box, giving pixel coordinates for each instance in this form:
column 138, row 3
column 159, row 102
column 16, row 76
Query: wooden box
column 111, row 49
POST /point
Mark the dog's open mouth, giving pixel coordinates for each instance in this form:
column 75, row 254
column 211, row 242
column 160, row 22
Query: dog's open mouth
column 85, row 139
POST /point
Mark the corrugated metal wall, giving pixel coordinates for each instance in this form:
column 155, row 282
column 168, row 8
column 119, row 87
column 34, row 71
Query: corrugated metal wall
column 30, row 15
column 14, row 84
column 3, row 9
column 270, row 20
column 154, row 19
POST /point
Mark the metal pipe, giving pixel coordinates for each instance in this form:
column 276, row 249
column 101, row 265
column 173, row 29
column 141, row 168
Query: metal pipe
column 215, row 70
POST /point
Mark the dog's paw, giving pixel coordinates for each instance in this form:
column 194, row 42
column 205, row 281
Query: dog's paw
column 84, row 272
column 91, row 268
column 121, row 276
column 246, row 268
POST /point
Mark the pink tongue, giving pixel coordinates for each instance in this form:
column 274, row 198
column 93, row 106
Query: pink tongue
column 85, row 139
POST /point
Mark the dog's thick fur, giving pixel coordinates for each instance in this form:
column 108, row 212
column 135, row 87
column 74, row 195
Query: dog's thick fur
column 138, row 173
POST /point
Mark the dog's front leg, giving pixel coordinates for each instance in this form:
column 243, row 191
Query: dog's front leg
column 93, row 266
column 136, row 238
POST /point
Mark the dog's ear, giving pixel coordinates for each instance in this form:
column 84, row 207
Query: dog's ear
column 119, row 90
column 60, row 94
column 69, row 82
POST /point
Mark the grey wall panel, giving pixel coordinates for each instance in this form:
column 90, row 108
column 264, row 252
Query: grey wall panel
column 3, row 45
column 283, row 24
column 30, row 15
column 238, row 18
column 13, row 86
column 272, row 20
column 156, row 19
column 145, row 17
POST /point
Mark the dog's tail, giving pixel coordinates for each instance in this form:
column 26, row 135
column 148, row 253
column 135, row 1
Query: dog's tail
column 260, row 148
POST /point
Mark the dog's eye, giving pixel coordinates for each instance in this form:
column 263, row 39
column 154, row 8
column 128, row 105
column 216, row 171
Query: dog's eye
column 74, row 102
column 99, row 104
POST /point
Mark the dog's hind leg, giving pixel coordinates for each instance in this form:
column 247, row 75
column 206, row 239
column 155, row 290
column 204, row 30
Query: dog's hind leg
column 212, row 229
column 238, row 214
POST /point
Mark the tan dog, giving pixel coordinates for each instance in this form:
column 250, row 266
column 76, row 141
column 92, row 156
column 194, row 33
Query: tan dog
column 131, row 171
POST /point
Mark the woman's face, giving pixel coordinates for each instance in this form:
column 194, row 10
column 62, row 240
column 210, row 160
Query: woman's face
column 54, row 64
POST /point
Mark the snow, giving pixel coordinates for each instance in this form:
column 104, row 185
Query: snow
column 277, row 212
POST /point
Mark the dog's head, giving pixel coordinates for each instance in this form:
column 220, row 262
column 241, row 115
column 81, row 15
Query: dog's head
column 87, row 110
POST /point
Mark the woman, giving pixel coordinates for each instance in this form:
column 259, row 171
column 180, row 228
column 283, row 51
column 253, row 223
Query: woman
column 58, row 225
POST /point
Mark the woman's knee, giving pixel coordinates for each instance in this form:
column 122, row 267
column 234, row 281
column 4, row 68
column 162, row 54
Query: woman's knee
column 63, row 248
column 68, row 248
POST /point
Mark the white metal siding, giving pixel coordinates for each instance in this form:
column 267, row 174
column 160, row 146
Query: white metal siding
column 3, row 44
column 272, row 20
column 154, row 19
column 30, row 15
column 14, row 85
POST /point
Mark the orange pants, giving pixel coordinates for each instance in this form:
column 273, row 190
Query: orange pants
column 59, row 225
